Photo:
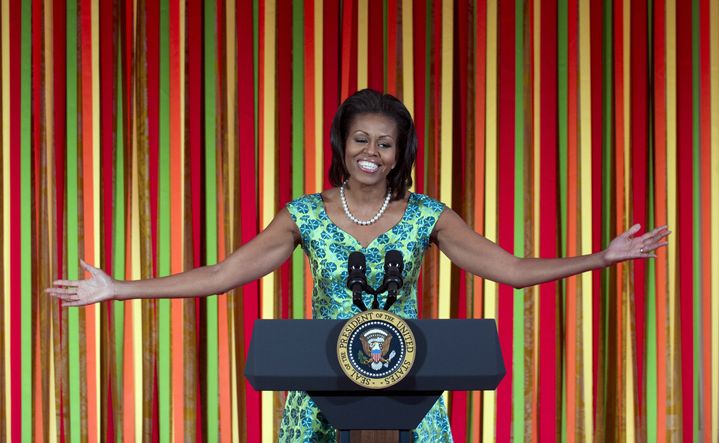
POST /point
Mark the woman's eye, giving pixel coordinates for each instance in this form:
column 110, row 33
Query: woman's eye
column 385, row 145
column 360, row 140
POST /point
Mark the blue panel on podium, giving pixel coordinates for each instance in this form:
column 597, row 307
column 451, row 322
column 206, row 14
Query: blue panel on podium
column 301, row 355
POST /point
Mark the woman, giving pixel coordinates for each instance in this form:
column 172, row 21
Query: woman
column 369, row 209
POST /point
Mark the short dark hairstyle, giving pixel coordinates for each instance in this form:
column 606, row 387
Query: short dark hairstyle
column 368, row 101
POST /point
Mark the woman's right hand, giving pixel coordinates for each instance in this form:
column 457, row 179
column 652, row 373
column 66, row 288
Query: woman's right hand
column 100, row 287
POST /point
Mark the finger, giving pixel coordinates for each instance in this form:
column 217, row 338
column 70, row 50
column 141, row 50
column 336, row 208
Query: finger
column 68, row 298
column 659, row 229
column 655, row 235
column 633, row 230
column 646, row 236
column 60, row 291
column 74, row 304
column 63, row 295
column 640, row 255
column 660, row 232
column 649, row 248
column 663, row 235
column 89, row 268
column 71, row 283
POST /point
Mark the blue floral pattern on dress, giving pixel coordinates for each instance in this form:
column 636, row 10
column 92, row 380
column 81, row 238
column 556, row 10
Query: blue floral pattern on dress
column 328, row 247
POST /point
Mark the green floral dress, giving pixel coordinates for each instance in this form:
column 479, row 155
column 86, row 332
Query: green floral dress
column 328, row 248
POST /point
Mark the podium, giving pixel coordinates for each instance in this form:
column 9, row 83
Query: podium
column 301, row 355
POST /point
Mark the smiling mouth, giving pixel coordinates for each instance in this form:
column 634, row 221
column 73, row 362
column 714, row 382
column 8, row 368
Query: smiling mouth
column 366, row 166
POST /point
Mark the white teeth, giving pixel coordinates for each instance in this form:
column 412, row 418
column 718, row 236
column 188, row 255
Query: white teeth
column 367, row 166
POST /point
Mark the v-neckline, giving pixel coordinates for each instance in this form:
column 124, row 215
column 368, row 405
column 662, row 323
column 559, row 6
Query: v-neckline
column 404, row 215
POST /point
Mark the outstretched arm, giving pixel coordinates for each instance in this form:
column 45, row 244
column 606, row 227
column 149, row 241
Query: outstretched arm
column 262, row 255
column 474, row 253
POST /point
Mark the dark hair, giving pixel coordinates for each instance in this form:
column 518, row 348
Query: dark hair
column 368, row 101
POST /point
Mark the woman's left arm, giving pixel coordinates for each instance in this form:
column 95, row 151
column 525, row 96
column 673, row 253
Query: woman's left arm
column 474, row 253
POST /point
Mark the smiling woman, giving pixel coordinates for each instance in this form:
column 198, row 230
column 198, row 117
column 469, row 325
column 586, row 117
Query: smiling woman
column 369, row 208
column 367, row 127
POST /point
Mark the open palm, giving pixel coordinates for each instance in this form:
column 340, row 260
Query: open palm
column 99, row 287
column 627, row 246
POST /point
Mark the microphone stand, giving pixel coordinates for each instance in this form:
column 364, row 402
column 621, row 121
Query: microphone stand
column 357, row 297
column 391, row 298
column 375, row 303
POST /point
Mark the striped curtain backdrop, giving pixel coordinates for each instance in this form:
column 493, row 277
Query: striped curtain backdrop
column 152, row 136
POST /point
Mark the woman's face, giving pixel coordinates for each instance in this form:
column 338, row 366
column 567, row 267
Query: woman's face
column 371, row 148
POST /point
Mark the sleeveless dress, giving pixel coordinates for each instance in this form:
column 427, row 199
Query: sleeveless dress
column 328, row 247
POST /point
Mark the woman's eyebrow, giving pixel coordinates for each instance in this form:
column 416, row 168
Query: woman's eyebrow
column 365, row 132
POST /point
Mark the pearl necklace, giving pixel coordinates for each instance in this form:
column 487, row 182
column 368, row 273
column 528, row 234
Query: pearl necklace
column 355, row 219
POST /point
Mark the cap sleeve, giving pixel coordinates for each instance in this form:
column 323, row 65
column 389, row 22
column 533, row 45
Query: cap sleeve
column 304, row 211
column 428, row 212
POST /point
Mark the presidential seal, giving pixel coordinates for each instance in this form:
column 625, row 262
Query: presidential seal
column 376, row 349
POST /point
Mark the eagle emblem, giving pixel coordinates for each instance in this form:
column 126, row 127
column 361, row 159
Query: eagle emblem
column 375, row 349
column 375, row 346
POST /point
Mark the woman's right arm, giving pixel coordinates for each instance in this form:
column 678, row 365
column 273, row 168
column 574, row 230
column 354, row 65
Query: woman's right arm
column 257, row 258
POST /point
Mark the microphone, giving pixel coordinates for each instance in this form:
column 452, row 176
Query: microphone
column 356, row 278
column 393, row 267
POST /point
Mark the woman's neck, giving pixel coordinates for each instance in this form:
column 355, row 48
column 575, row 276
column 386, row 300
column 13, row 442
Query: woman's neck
column 365, row 194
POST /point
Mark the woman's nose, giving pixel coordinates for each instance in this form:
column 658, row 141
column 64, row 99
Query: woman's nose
column 371, row 148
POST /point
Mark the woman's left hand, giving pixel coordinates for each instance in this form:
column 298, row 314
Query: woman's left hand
column 627, row 246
